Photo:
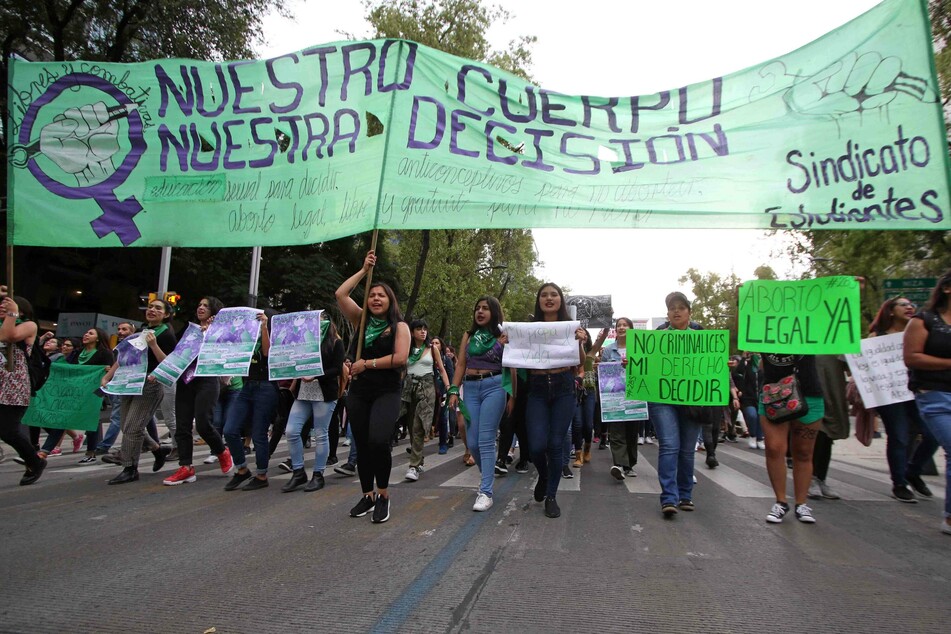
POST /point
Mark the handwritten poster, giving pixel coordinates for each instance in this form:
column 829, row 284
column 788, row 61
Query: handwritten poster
column 615, row 407
column 819, row 316
column 295, row 346
column 879, row 371
column 229, row 343
column 67, row 399
column 540, row 345
column 679, row 367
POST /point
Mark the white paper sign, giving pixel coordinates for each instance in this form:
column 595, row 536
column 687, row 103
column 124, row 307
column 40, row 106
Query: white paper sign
column 880, row 372
column 540, row 345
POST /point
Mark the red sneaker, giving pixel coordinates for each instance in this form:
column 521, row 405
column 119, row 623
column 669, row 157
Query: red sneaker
column 56, row 452
column 225, row 461
column 183, row 475
column 78, row 442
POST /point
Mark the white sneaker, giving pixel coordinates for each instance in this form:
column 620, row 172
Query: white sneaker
column 640, row 440
column 761, row 444
column 211, row 459
column 827, row 491
column 345, row 442
column 804, row 514
column 814, row 491
column 412, row 474
column 752, row 442
column 483, row 503
column 649, row 440
column 945, row 527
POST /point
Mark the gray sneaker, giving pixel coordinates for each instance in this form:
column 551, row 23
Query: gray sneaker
column 827, row 491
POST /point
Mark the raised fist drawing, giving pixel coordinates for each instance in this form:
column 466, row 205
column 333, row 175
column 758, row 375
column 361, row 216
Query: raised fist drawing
column 856, row 84
column 82, row 142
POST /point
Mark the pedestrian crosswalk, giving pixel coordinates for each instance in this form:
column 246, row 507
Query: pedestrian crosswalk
column 741, row 473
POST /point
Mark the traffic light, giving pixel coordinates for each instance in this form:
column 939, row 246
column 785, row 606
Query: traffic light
column 147, row 299
column 173, row 298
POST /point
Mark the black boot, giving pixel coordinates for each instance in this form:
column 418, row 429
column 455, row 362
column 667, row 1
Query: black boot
column 299, row 478
column 316, row 483
column 32, row 475
column 161, row 454
column 128, row 474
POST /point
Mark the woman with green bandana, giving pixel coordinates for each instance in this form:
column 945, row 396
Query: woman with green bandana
column 137, row 411
column 480, row 366
column 373, row 402
column 419, row 392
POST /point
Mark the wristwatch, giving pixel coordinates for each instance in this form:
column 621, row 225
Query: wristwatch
column 374, row 364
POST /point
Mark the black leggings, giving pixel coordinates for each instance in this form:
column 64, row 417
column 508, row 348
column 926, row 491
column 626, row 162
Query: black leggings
column 821, row 455
column 372, row 422
column 196, row 401
column 12, row 433
column 514, row 425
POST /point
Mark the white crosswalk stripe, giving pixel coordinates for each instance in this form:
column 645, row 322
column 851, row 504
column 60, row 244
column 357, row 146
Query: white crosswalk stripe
column 646, row 480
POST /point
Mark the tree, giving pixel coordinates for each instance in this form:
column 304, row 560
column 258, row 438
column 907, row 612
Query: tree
column 471, row 263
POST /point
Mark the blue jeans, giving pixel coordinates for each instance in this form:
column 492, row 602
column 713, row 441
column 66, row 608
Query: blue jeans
column 323, row 411
column 935, row 410
column 257, row 400
column 551, row 404
column 902, row 422
column 225, row 400
column 753, row 425
column 676, row 437
column 485, row 401
column 113, row 432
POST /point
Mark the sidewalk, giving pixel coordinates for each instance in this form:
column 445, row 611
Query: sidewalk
column 851, row 451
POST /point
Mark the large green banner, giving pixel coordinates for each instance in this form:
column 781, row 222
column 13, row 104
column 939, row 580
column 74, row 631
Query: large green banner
column 845, row 133
column 820, row 316
column 67, row 400
column 679, row 367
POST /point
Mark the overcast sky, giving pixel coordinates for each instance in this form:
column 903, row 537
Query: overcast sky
column 625, row 47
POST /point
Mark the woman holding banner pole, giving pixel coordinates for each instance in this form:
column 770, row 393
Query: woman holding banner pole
column 927, row 352
column 480, row 367
column 373, row 402
column 137, row 411
column 195, row 399
column 551, row 404
column 902, row 420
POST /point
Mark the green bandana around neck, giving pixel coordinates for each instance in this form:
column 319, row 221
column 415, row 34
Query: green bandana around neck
column 159, row 329
column 86, row 355
column 481, row 342
column 415, row 354
column 374, row 329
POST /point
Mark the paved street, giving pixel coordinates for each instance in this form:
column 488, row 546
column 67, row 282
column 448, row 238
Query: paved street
column 80, row 556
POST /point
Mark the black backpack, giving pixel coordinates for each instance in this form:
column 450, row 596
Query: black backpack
column 37, row 363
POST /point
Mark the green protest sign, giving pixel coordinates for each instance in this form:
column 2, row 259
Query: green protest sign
column 844, row 133
column 820, row 316
column 67, row 399
column 679, row 367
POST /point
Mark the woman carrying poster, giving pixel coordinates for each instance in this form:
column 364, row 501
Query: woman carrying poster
column 373, row 402
column 480, row 368
column 195, row 399
column 419, row 392
column 257, row 402
column 317, row 397
column 927, row 351
column 137, row 410
column 902, row 420
column 95, row 351
column 17, row 334
column 624, row 434
column 551, row 404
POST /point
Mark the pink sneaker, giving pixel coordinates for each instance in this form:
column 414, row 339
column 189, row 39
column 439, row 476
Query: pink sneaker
column 56, row 452
column 183, row 475
column 78, row 442
column 225, row 461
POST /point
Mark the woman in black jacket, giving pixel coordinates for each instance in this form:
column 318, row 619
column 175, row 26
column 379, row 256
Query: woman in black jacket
column 317, row 397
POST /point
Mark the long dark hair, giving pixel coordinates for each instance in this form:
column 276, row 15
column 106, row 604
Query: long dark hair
column 562, row 310
column 214, row 304
column 393, row 315
column 495, row 316
column 938, row 300
column 630, row 324
column 884, row 318
column 26, row 308
column 102, row 340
